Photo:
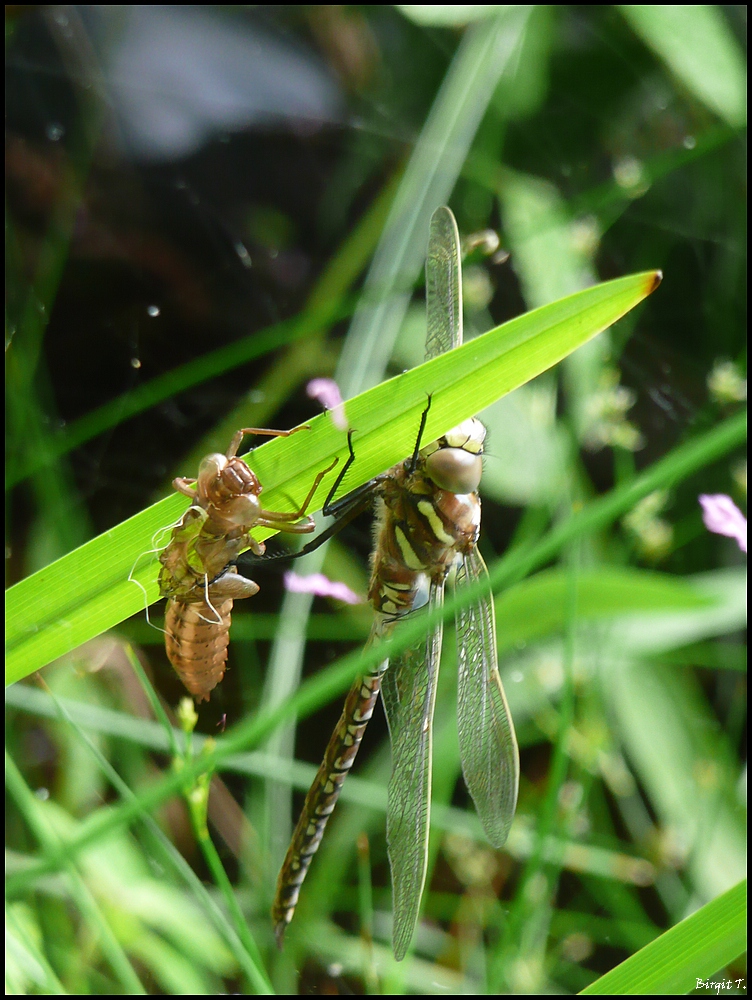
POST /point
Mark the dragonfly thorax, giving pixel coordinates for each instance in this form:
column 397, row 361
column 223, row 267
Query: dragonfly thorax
column 454, row 462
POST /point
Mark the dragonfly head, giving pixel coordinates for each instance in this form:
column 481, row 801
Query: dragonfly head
column 221, row 479
column 454, row 462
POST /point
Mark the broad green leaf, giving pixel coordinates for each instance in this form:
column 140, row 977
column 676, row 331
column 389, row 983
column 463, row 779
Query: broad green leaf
column 682, row 959
column 89, row 590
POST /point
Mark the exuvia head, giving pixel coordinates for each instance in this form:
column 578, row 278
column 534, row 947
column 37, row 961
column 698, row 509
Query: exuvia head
column 220, row 478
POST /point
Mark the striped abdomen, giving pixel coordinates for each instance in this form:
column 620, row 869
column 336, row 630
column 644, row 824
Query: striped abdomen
column 323, row 794
column 196, row 640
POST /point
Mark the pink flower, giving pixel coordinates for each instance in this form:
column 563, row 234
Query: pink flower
column 321, row 585
column 326, row 391
column 721, row 516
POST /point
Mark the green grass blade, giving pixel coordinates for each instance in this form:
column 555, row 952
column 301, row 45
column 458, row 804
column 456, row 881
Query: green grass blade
column 680, row 960
column 536, row 607
column 88, row 590
column 697, row 44
column 164, row 848
column 97, row 920
column 166, row 386
column 487, row 53
column 333, row 681
column 25, row 962
column 361, row 791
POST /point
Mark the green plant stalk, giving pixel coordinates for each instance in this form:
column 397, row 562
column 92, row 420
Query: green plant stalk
column 196, row 794
column 365, row 912
column 252, row 966
column 85, row 901
column 697, row 947
column 487, row 52
column 198, row 802
column 685, row 460
column 156, row 704
column 241, row 927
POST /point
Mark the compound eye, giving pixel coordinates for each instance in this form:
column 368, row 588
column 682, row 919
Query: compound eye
column 455, row 470
column 469, row 435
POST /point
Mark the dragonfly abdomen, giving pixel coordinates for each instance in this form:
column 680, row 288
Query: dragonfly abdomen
column 196, row 638
column 323, row 794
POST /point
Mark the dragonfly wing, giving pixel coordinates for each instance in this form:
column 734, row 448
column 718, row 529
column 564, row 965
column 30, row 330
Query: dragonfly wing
column 443, row 285
column 409, row 695
column 488, row 746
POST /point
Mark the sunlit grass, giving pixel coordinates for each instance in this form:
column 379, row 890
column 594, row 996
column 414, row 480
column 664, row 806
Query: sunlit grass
column 624, row 677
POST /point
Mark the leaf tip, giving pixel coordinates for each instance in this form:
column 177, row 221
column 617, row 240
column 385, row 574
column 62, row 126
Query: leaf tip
column 655, row 279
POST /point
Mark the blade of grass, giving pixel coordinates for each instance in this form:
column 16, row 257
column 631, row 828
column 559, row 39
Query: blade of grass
column 90, row 910
column 165, row 386
column 486, row 53
column 697, row 44
column 526, row 924
column 679, row 961
column 524, row 613
column 577, row 857
column 196, row 794
column 90, row 589
column 22, row 950
column 685, row 460
column 248, row 959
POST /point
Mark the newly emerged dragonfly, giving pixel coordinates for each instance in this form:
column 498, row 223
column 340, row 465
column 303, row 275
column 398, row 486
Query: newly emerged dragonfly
column 199, row 576
column 428, row 524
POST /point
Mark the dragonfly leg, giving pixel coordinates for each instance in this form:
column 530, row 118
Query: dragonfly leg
column 185, row 486
column 232, row 584
column 267, row 431
column 273, row 519
column 350, row 459
column 416, row 451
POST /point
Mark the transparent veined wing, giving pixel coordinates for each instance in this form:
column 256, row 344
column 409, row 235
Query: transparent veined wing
column 443, row 285
column 488, row 746
column 409, row 695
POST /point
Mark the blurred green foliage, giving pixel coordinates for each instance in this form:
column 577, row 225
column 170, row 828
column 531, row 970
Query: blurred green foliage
column 198, row 201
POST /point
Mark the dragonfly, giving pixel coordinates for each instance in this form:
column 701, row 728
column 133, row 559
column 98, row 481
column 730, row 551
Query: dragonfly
column 199, row 575
column 428, row 513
